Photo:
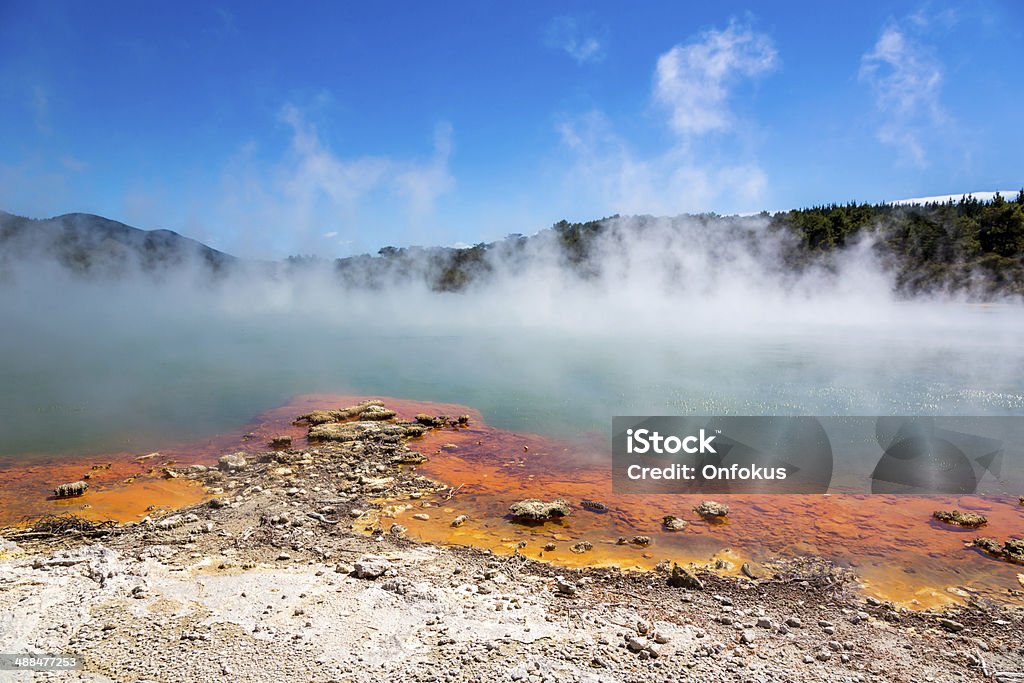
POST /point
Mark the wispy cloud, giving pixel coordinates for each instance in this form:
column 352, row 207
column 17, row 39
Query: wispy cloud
column 311, row 192
column 40, row 104
column 694, row 80
column 570, row 34
column 74, row 164
column 906, row 79
column 609, row 172
column 693, row 83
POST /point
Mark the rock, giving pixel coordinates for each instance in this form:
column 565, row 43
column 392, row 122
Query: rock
column 823, row 655
column 747, row 637
column 563, row 587
column 988, row 545
column 370, row 567
column 969, row 520
column 232, row 462
column 710, row 510
column 764, row 622
column 1013, row 550
column 460, row 520
column 170, row 522
column 421, row 516
column 642, row 541
column 582, row 547
column 281, row 441
column 284, row 557
column 637, row 643
column 673, row 523
column 661, row 638
column 548, row 547
column 397, row 530
column 794, row 622
column 749, row 571
column 538, row 511
column 430, row 420
column 376, row 412
column 75, row 488
column 450, row 447
column 593, row 505
column 682, row 578
column 463, row 420
column 951, row 626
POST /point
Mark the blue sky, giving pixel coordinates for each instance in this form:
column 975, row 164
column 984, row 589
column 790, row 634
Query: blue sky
column 340, row 127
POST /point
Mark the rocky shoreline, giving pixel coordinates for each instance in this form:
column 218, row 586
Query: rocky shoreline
column 293, row 570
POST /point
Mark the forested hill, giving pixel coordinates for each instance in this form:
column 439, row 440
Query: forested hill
column 95, row 246
column 963, row 247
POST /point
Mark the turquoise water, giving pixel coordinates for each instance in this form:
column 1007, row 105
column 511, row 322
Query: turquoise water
column 85, row 385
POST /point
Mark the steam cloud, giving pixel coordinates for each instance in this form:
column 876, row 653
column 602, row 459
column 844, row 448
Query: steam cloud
column 669, row 317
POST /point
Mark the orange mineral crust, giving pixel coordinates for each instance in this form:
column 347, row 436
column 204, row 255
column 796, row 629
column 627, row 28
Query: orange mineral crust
column 891, row 542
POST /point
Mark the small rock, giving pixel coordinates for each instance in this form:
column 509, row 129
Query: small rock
column 232, row 462
column 710, row 510
column 460, row 520
column 951, row 626
column 637, row 643
column 370, row 567
column 673, row 523
column 75, row 488
column 537, row 510
column 682, row 578
column 564, row 587
column 969, row 520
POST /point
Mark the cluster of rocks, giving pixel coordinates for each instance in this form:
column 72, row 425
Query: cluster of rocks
column 1011, row 551
column 441, row 421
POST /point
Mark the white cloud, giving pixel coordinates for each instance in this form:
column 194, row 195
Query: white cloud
column 608, row 172
column 311, row 193
column 906, row 79
column 694, row 80
column 570, row 35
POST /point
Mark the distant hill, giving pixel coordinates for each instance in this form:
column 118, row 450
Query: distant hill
column 963, row 246
column 93, row 245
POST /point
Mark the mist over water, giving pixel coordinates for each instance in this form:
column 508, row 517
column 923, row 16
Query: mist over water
column 675, row 318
